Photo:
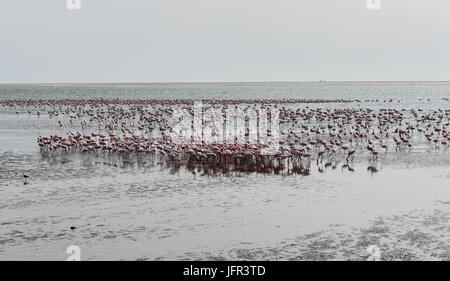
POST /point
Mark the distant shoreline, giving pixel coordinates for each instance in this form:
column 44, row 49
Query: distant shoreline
column 217, row 82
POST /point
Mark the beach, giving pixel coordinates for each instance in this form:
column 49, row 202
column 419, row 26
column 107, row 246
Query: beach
column 132, row 205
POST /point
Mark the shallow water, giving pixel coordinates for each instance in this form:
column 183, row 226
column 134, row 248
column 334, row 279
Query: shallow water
column 136, row 212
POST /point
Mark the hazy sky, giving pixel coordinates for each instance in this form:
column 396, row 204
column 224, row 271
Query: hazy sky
column 223, row 40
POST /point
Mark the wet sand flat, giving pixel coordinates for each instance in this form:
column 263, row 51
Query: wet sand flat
column 139, row 210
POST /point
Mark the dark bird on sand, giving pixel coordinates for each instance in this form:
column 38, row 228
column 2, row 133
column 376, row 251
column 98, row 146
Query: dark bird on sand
column 25, row 178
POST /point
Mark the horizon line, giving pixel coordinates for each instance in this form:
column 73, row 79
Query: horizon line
column 226, row 82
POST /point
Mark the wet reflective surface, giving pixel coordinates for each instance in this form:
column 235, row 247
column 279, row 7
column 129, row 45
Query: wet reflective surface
column 145, row 210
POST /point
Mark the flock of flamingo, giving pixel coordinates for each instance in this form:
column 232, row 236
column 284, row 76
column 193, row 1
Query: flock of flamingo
column 139, row 131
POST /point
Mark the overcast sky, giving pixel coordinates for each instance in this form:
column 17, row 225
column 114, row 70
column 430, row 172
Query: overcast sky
column 223, row 40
